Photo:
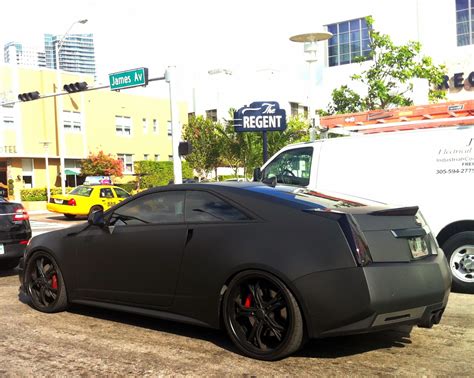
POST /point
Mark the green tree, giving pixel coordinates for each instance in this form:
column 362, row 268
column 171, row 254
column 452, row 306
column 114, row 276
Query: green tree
column 388, row 78
column 101, row 164
column 205, row 141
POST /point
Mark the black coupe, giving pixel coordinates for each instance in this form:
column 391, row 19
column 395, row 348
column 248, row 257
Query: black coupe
column 271, row 265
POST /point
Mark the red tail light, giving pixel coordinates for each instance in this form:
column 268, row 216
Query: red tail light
column 24, row 242
column 21, row 215
column 71, row 202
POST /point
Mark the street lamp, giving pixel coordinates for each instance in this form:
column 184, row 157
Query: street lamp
column 62, row 146
column 310, row 41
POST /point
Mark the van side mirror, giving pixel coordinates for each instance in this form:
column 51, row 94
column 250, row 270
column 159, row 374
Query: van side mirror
column 96, row 218
column 257, row 174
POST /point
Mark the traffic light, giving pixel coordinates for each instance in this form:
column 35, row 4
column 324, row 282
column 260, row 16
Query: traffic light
column 75, row 87
column 29, row 96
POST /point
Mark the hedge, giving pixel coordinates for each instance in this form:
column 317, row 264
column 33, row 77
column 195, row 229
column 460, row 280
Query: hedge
column 158, row 173
column 39, row 194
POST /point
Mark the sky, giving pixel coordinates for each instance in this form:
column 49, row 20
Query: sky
column 192, row 35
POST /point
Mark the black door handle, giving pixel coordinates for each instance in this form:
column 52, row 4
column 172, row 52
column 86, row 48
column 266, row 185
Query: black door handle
column 189, row 236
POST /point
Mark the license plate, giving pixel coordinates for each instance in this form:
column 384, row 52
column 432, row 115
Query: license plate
column 418, row 247
column 58, row 201
column 2, row 249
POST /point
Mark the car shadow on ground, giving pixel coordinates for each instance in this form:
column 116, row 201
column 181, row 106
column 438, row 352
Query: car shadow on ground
column 322, row 348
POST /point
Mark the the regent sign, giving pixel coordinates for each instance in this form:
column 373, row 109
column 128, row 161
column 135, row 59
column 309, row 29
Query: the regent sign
column 260, row 116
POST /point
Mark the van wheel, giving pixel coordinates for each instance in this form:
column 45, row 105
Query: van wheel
column 459, row 250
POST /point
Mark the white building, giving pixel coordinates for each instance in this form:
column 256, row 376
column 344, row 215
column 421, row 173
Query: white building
column 23, row 55
column 445, row 29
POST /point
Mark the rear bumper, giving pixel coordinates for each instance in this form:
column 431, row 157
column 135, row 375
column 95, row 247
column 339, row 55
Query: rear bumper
column 12, row 251
column 65, row 209
column 376, row 297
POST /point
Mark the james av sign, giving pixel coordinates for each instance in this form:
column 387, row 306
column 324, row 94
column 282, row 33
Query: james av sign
column 260, row 116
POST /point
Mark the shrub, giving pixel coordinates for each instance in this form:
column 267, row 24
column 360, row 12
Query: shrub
column 158, row 173
column 39, row 194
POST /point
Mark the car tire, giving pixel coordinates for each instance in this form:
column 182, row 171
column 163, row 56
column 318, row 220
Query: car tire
column 459, row 251
column 70, row 216
column 94, row 208
column 44, row 283
column 262, row 317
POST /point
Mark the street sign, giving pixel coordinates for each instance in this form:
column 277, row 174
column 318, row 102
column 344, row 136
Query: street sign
column 260, row 116
column 128, row 79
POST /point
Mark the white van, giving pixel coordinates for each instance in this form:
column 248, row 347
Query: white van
column 430, row 168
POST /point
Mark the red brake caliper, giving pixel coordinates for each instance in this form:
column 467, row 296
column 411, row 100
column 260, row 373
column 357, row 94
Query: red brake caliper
column 248, row 301
column 54, row 283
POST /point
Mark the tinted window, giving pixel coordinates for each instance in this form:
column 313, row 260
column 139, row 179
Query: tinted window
column 121, row 193
column 155, row 208
column 82, row 191
column 291, row 167
column 206, row 207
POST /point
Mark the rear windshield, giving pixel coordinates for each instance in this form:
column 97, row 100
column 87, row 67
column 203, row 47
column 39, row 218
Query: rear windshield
column 82, row 191
column 307, row 198
column 8, row 207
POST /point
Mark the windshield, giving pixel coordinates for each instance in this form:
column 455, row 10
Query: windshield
column 291, row 167
column 82, row 191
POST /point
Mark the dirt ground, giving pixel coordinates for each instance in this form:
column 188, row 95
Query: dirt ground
column 87, row 341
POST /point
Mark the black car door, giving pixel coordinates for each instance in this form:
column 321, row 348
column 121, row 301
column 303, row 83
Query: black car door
column 135, row 258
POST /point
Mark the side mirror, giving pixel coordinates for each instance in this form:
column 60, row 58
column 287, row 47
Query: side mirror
column 257, row 174
column 96, row 218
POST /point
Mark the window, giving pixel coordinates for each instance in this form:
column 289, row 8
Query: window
column 290, row 167
column 350, row 40
column 121, row 193
column 82, row 191
column 127, row 161
column 465, row 22
column 211, row 114
column 145, row 125
column 294, row 109
column 170, row 157
column 27, row 167
column 72, row 121
column 206, row 207
column 155, row 126
column 106, row 193
column 155, row 208
column 123, row 125
column 170, row 128
column 191, row 116
column 145, row 156
column 157, row 157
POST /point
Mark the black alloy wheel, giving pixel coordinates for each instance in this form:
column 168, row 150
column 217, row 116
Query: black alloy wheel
column 262, row 316
column 45, row 284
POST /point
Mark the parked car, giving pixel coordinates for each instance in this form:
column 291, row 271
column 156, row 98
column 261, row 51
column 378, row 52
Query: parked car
column 85, row 199
column 271, row 265
column 15, row 231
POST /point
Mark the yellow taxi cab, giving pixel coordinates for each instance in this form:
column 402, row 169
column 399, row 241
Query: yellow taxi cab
column 85, row 199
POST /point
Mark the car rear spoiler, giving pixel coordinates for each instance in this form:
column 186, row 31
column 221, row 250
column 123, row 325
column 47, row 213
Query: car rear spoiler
column 399, row 211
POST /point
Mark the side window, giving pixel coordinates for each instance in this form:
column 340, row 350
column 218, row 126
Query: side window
column 106, row 193
column 121, row 193
column 155, row 208
column 291, row 167
column 206, row 207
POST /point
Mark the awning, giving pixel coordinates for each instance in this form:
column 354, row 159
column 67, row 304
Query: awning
column 72, row 172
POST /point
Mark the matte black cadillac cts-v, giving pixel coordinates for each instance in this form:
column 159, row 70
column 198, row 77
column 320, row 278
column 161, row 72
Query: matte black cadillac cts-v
column 270, row 265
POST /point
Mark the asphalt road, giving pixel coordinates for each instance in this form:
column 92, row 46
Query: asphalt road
column 88, row 341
